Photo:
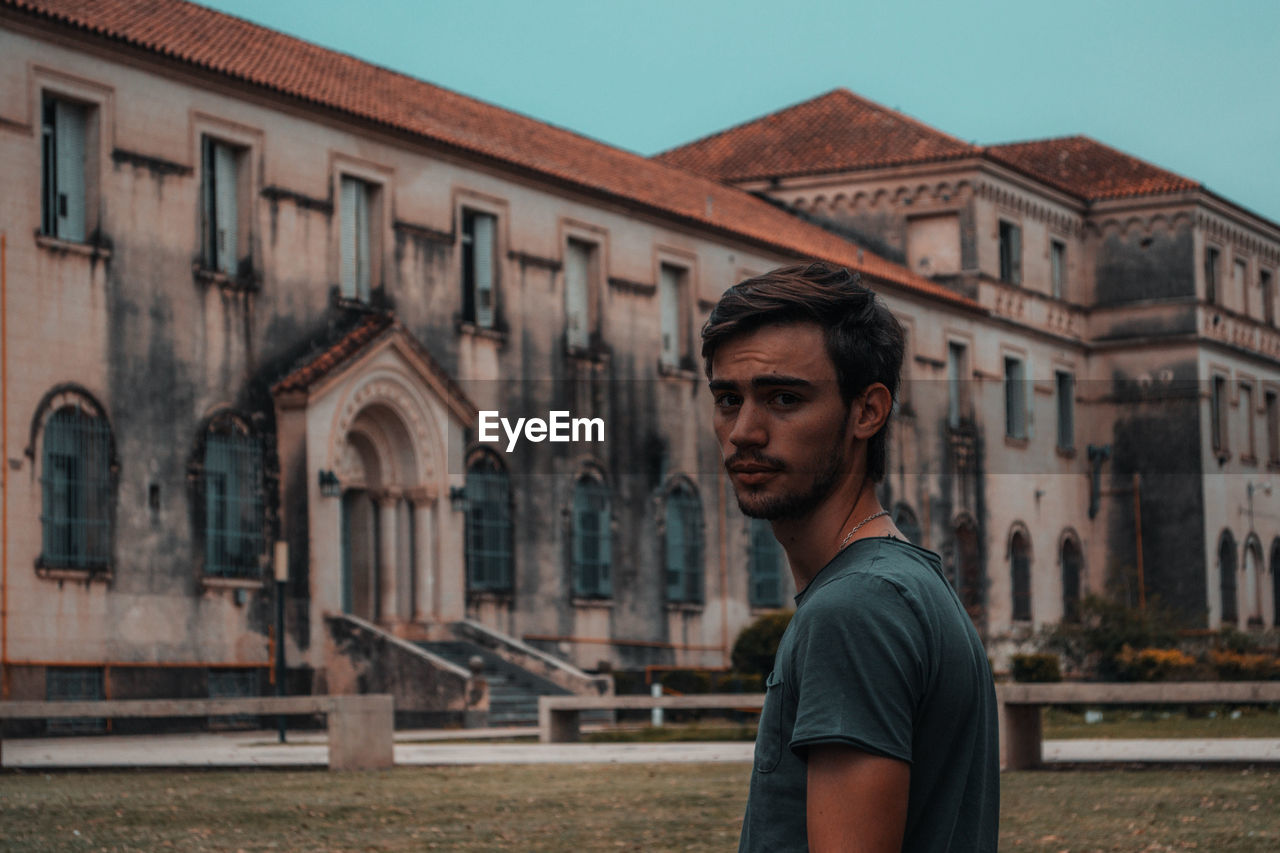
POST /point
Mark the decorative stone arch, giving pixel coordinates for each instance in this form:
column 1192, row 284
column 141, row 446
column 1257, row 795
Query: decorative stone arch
column 67, row 394
column 1019, row 555
column 394, row 420
column 1072, row 570
column 1227, row 562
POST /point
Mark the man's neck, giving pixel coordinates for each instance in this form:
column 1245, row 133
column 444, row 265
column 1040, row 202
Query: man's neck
column 811, row 542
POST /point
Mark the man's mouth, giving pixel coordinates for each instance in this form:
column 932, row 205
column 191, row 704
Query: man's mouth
column 752, row 473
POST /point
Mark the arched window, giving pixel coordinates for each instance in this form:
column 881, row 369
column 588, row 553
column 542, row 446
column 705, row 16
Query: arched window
column 683, row 545
column 1254, row 573
column 232, row 491
column 1275, row 581
column 76, row 486
column 1020, row 570
column 1072, row 561
column 592, row 539
column 1227, row 578
column 967, row 574
column 488, row 537
column 905, row 518
column 764, row 565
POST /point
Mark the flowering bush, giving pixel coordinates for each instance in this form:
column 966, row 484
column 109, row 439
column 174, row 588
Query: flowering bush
column 1244, row 666
column 1153, row 664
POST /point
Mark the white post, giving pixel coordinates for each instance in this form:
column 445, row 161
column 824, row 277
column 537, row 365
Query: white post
column 655, row 690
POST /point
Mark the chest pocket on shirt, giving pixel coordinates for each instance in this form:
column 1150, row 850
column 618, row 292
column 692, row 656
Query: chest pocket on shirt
column 769, row 736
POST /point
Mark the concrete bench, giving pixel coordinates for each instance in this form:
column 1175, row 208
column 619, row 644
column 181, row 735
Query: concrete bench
column 361, row 727
column 1020, row 733
column 559, row 716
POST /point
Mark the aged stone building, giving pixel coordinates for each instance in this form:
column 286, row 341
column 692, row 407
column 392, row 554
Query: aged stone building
column 259, row 292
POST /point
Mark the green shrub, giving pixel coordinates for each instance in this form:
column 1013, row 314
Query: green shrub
column 1040, row 667
column 757, row 644
column 1242, row 666
column 1095, row 643
column 685, row 680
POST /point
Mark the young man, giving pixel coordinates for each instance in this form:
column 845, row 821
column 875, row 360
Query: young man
column 879, row 725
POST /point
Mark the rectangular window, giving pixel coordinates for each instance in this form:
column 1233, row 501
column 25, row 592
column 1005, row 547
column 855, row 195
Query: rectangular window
column 1247, row 436
column 1066, row 387
column 356, row 210
column 1010, row 253
column 1057, row 268
column 1218, row 413
column 1239, row 275
column 1211, row 275
column 671, row 297
column 1273, row 427
column 478, row 230
column 1015, row 398
column 221, row 172
column 579, row 265
column 1268, row 297
column 65, row 197
column 956, row 366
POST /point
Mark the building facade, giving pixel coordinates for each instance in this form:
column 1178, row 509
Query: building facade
column 258, row 292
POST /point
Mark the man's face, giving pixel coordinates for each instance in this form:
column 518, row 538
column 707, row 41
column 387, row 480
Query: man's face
column 780, row 419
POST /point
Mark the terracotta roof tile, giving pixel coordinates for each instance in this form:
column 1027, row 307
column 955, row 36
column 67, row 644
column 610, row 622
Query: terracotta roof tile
column 1088, row 169
column 244, row 51
column 316, row 366
column 835, row 132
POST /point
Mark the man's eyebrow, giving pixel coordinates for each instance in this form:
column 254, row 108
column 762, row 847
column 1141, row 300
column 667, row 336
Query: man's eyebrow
column 771, row 380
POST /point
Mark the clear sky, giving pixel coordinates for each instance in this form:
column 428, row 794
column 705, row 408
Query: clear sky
column 1190, row 86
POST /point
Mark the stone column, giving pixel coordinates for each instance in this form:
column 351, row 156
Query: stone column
column 387, row 550
column 424, row 537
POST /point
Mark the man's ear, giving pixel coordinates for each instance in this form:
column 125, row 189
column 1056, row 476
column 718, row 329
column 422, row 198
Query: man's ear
column 870, row 411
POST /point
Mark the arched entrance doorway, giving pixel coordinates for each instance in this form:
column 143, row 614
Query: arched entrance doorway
column 386, row 511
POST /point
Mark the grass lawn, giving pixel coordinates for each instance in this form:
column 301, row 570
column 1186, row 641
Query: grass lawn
column 583, row 808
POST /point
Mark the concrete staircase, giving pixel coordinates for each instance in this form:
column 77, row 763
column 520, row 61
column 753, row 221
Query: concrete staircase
column 513, row 690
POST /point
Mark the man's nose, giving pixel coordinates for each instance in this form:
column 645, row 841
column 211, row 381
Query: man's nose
column 748, row 428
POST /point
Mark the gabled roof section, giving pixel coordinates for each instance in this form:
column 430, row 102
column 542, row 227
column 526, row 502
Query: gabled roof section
column 835, row 132
column 239, row 50
column 318, row 366
column 1088, row 169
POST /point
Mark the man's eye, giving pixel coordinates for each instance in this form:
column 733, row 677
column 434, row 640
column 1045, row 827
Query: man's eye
column 786, row 398
column 725, row 401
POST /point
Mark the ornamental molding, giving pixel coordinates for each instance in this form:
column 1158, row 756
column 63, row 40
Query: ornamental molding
column 397, row 391
column 1238, row 239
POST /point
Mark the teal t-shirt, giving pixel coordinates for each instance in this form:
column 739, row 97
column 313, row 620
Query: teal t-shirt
column 881, row 655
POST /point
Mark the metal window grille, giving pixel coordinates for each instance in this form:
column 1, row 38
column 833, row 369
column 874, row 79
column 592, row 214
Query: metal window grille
column 75, row 481
column 233, row 505
column 592, row 545
column 1071, row 565
column 764, row 565
column 71, row 684
column 684, row 546
column 488, row 527
column 234, row 684
column 1021, row 559
column 1227, row 580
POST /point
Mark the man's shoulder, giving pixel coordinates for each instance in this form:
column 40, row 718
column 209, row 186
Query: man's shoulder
column 879, row 564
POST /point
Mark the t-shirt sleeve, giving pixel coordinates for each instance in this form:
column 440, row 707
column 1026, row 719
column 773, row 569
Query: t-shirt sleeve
column 858, row 669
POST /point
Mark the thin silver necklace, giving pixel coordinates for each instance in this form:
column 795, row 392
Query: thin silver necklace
column 845, row 541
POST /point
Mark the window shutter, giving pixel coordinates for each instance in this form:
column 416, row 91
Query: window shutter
column 675, row 550
column 363, row 241
column 577, row 264
column 606, row 550
column 1015, row 255
column 347, row 245
column 69, row 146
column 670, row 307
column 482, row 256
column 226, row 220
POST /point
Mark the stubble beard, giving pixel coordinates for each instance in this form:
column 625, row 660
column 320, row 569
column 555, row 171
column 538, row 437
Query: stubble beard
column 793, row 505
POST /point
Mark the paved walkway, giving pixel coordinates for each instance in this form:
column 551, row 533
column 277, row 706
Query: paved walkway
column 433, row 748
